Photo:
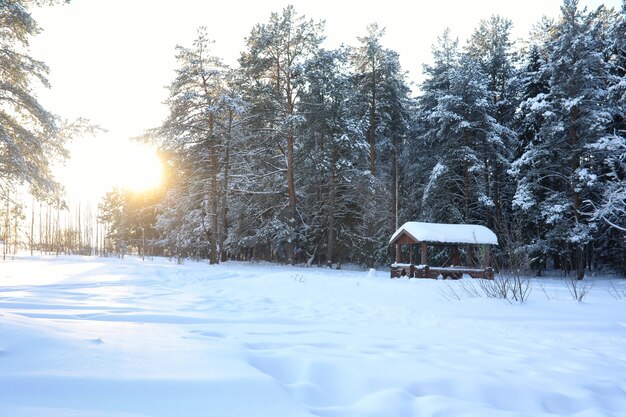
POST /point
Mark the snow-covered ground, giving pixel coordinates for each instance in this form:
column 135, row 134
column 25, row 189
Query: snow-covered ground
column 92, row 337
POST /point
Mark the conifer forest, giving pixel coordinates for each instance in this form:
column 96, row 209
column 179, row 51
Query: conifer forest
column 301, row 154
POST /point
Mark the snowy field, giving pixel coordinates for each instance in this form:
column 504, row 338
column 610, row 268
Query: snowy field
column 92, row 337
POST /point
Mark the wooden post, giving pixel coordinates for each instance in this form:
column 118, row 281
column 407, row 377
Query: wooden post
column 456, row 261
column 397, row 253
column 424, row 254
column 411, row 254
column 487, row 260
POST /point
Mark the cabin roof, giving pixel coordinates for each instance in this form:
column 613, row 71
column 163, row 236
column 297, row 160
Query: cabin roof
column 446, row 233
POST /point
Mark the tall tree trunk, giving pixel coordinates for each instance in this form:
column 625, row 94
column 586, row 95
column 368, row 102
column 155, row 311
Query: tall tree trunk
column 465, row 192
column 7, row 232
column 224, row 200
column 291, row 191
column 372, row 127
column 16, row 242
column 579, row 253
column 142, row 223
column 330, row 249
column 80, row 232
column 224, row 207
column 394, row 189
column 394, row 183
column 291, row 187
column 47, row 229
column 488, row 217
column 497, row 183
column 32, row 225
column 213, row 259
column 58, row 232
column 40, row 230
column 97, row 238
column 466, row 196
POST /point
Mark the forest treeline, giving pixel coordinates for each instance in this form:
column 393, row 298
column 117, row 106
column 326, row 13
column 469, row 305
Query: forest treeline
column 307, row 154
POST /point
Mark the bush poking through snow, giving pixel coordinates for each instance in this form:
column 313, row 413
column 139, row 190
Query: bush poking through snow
column 617, row 293
column 545, row 291
column 513, row 287
column 577, row 288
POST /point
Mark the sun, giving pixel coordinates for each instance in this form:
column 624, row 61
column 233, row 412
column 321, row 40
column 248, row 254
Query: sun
column 98, row 165
column 139, row 169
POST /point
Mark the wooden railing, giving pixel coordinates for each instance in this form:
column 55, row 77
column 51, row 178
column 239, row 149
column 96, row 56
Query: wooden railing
column 399, row 270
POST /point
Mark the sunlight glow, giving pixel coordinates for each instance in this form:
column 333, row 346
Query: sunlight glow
column 97, row 165
column 139, row 168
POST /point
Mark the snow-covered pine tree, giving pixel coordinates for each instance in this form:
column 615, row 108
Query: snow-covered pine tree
column 532, row 87
column 610, row 209
column 334, row 157
column 196, row 139
column 31, row 137
column 368, row 59
column 491, row 46
column 129, row 219
column 381, row 104
column 273, row 83
column 397, row 105
column 559, row 172
column 113, row 212
column 419, row 157
column 462, row 137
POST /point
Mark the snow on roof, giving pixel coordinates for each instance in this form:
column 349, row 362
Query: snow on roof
column 446, row 233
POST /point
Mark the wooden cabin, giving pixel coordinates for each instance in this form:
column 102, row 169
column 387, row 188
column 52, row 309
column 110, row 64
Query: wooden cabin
column 467, row 248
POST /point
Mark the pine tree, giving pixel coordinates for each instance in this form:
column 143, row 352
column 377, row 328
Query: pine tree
column 575, row 117
column 610, row 208
column 533, row 85
column 130, row 220
column 368, row 61
column 381, row 104
column 113, row 211
column 491, row 46
column 196, row 138
column 461, row 137
column 32, row 138
column 336, row 156
column 420, row 157
column 273, row 84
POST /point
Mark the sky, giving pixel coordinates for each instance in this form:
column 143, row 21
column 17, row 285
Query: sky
column 111, row 60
